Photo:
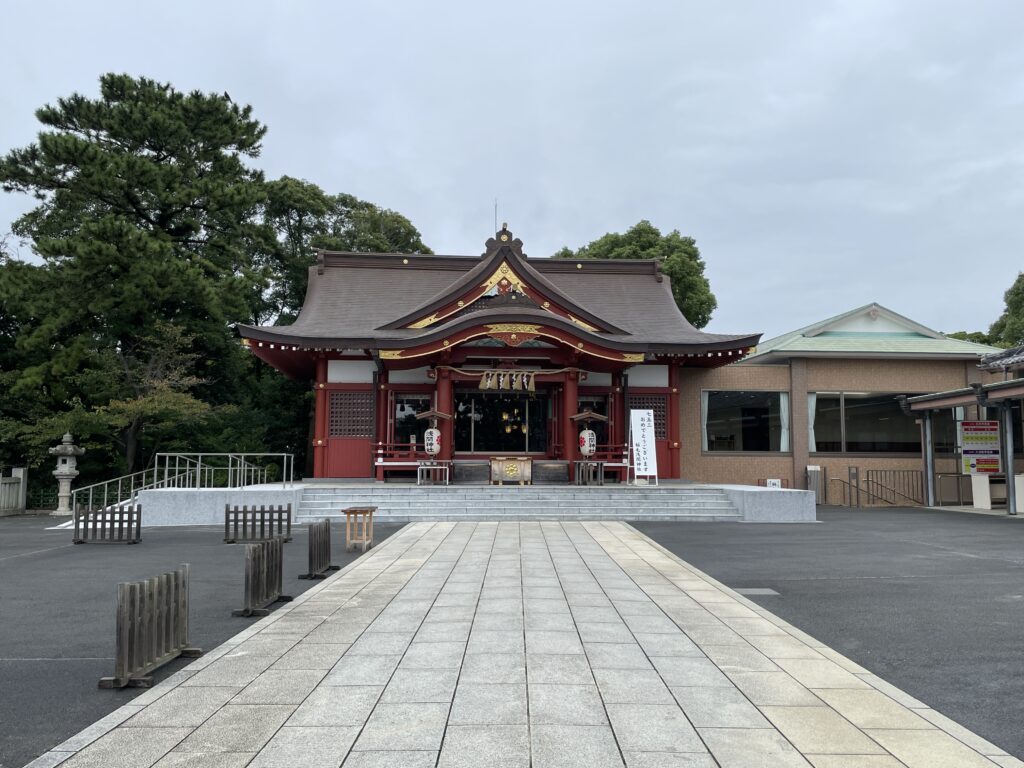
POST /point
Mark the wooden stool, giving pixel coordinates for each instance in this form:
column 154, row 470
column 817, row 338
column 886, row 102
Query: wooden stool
column 359, row 528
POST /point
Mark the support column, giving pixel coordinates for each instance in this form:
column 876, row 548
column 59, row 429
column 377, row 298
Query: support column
column 798, row 421
column 320, row 419
column 1011, row 487
column 929, row 459
column 674, row 426
column 617, row 435
column 445, row 404
column 570, row 405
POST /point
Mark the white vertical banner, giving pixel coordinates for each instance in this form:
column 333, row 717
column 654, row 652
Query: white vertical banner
column 644, row 457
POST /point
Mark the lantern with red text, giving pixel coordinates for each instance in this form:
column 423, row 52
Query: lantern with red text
column 588, row 442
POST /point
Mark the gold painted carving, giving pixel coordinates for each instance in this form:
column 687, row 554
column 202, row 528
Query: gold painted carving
column 390, row 354
column 512, row 328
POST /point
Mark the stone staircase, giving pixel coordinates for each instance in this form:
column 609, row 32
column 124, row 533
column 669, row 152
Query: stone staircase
column 410, row 503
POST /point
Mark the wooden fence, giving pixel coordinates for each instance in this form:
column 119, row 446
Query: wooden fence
column 264, row 577
column 114, row 525
column 152, row 627
column 319, row 551
column 257, row 524
column 13, row 490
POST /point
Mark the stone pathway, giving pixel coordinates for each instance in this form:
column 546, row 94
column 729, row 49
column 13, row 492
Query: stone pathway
column 524, row 644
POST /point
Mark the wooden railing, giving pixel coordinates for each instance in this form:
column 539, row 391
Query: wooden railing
column 152, row 627
column 319, row 550
column 386, row 453
column 257, row 523
column 264, row 577
column 121, row 524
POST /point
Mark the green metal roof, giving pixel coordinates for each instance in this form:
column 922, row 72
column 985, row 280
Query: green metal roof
column 915, row 341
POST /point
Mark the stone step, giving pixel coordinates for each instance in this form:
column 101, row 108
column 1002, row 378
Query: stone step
column 627, row 514
column 717, row 504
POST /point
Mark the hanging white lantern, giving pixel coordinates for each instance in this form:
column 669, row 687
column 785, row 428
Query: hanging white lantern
column 432, row 441
column 588, row 442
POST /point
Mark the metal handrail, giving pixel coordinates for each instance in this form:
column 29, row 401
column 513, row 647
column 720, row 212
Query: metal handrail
column 187, row 470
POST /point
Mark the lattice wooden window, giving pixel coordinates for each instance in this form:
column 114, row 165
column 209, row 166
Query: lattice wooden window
column 351, row 414
column 656, row 403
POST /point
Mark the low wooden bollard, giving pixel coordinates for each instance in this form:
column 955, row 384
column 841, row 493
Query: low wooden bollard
column 359, row 528
column 264, row 577
column 152, row 628
column 257, row 523
column 319, row 551
column 114, row 525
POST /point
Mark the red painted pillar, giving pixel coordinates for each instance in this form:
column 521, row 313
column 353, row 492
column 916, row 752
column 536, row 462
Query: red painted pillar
column 674, row 426
column 381, row 405
column 570, row 406
column 445, row 404
column 320, row 419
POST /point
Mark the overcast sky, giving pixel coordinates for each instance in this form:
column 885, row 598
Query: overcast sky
column 823, row 154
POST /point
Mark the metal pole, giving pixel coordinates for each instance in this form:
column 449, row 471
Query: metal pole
column 929, row 461
column 1011, row 489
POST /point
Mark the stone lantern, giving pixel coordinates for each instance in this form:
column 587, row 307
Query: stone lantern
column 67, row 454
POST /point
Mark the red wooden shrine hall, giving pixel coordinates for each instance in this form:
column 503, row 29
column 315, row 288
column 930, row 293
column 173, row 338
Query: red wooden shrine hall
column 509, row 347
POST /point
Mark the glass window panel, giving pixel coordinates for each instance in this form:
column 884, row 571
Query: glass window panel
column 944, row 430
column 828, row 423
column 464, row 416
column 745, row 421
column 406, row 426
column 539, row 407
column 876, row 424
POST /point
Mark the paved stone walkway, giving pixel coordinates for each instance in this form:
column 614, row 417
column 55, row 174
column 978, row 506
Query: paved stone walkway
column 519, row 644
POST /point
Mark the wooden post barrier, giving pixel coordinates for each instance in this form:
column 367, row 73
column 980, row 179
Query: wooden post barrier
column 257, row 524
column 264, row 577
column 319, row 551
column 359, row 528
column 152, row 628
column 117, row 524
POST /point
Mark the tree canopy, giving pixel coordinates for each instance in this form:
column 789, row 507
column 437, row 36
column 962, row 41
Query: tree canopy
column 680, row 260
column 155, row 235
column 1008, row 329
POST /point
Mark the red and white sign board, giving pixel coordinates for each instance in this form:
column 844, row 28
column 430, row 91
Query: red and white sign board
column 981, row 448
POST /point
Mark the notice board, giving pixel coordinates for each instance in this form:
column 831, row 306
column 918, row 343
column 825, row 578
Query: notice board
column 981, row 449
column 643, row 456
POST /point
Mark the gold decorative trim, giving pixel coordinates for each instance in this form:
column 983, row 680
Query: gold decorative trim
column 512, row 328
column 425, row 321
column 581, row 324
column 390, row 354
column 632, row 357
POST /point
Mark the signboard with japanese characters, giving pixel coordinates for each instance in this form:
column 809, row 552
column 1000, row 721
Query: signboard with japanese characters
column 644, row 457
column 981, row 451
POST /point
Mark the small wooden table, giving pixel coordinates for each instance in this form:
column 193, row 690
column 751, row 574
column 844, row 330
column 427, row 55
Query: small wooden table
column 511, row 469
column 359, row 528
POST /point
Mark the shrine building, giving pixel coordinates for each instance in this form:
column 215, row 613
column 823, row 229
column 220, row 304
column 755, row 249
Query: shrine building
column 509, row 356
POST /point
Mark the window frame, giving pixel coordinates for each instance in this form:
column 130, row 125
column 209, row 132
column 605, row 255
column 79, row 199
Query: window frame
column 705, row 451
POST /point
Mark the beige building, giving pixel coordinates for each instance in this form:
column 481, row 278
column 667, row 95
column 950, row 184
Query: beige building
column 826, row 395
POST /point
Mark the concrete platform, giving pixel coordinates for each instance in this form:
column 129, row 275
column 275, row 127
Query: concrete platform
column 524, row 644
column 402, row 503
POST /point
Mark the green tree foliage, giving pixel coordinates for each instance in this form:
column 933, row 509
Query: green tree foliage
column 680, row 260
column 978, row 337
column 1008, row 330
column 155, row 236
column 304, row 218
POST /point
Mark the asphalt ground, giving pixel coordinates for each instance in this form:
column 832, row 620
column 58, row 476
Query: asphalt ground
column 932, row 602
column 57, row 617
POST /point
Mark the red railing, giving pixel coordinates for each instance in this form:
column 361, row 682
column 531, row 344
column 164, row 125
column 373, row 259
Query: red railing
column 393, row 452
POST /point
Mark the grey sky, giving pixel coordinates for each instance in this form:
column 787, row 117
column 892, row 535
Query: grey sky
column 823, row 154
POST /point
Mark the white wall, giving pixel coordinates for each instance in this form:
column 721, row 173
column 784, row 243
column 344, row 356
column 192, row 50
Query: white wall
column 648, row 376
column 350, row 371
column 413, row 376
